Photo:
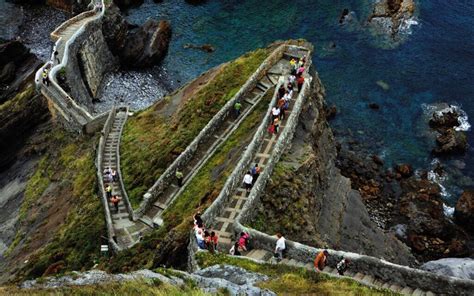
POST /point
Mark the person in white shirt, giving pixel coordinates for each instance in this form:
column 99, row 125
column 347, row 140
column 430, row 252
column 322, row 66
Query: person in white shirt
column 275, row 113
column 280, row 247
column 248, row 181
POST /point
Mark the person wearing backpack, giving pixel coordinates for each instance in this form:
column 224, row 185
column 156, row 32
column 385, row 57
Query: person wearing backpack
column 255, row 173
column 342, row 266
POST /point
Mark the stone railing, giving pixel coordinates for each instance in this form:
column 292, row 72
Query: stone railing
column 76, row 116
column 168, row 176
column 103, row 196
column 378, row 268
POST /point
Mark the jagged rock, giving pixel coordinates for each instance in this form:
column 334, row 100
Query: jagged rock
column 444, row 119
column 405, row 170
column 236, row 280
column 147, row 45
column 457, row 267
column 114, row 28
column 205, row 47
column 13, row 52
column 450, row 142
column 464, row 211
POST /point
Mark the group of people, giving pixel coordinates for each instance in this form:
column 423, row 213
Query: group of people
column 110, row 176
column 285, row 94
column 320, row 261
column 206, row 239
column 251, row 177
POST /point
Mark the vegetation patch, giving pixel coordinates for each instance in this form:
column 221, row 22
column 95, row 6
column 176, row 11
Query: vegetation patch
column 152, row 140
column 203, row 189
column 139, row 287
column 61, row 212
column 292, row 280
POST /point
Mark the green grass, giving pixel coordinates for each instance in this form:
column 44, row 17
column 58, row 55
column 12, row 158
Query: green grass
column 151, row 140
column 69, row 164
column 19, row 102
column 198, row 195
column 292, row 280
column 138, row 287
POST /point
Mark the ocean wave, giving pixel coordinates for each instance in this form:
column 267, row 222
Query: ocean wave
column 438, row 179
column 406, row 25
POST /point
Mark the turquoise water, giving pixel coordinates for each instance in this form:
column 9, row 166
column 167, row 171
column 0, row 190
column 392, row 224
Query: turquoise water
column 434, row 64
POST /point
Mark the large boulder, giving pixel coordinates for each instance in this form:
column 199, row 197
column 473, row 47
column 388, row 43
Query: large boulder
column 115, row 29
column 146, row 45
column 457, row 267
column 444, row 119
column 464, row 211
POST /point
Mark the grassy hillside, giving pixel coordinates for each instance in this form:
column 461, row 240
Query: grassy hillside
column 286, row 280
column 172, row 237
column 61, row 216
column 155, row 137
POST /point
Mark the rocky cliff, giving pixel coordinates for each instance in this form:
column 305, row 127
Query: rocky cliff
column 309, row 201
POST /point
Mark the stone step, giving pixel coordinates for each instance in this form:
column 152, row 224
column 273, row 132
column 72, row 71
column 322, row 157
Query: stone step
column 159, row 205
column 418, row 292
column 359, row 276
column 147, row 221
column 407, row 291
column 395, row 288
column 368, row 279
column 258, row 254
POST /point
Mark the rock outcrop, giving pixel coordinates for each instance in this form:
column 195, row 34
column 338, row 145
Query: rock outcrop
column 124, row 4
column 391, row 18
column 407, row 204
column 136, row 46
column 457, row 267
column 146, row 45
column 309, row 201
column 464, row 212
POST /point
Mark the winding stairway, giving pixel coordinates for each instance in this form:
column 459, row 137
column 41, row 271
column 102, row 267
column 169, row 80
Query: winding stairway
column 264, row 256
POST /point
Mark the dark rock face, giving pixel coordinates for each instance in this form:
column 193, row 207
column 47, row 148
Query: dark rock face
column 450, row 142
column 464, row 212
column 405, row 204
column 147, row 45
column 444, row 120
column 136, row 47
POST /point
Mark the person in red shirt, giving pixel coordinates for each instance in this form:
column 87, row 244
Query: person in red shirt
column 243, row 241
column 300, row 81
column 213, row 241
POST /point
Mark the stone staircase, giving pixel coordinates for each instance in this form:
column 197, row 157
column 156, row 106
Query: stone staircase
column 153, row 217
column 267, row 257
column 127, row 232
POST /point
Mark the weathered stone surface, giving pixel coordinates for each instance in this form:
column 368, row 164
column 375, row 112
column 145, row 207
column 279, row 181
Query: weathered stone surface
column 73, row 6
column 464, row 212
column 457, row 267
column 114, row 28
column 444, row 119
column 451, row 142
column 96, row 60
column 146, row 45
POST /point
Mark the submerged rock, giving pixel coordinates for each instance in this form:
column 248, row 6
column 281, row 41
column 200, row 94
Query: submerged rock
column 457, row 267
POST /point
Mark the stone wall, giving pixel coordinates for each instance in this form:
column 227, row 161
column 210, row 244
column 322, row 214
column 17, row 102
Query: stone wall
column 168, row 176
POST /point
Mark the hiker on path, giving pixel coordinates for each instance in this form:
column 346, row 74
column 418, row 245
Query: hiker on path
column 200, row 238
column 179, row 177
column 213, row 239
column 237, row 108
column 45, row 76
column 280, row 247
column 234, row 251
column 115, row 201
column 281, row 91
column 107, row 171
column 255, row 173
column 243, row 241
column 275, row 113
column 291, row 80
column 108, row 191
column 300, row 82
column 321, row 260
column 248, row 181
column 114, row 176
column 197, row 218
column 276, row 124
column 342, row 266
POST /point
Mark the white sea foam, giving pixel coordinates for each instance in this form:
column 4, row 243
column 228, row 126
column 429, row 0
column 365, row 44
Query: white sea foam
column 463, row 119
column 436, row 178
column 406, row 25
